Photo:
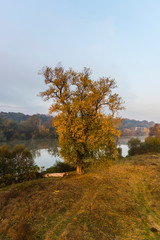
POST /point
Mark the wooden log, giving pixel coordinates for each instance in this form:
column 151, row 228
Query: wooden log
column 55, row 174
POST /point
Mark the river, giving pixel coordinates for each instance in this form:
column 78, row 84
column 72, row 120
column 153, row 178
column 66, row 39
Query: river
column 45, row 152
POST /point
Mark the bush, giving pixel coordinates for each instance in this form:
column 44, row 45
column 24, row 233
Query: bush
column 16, row 165
column 135, row 146
column 119, row 152
column 151, row 145
column 60, row 167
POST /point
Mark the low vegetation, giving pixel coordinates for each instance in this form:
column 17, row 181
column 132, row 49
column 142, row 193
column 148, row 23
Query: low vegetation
column 16, row 165
column 60, row 167
column 117, row 202
column 150, row 145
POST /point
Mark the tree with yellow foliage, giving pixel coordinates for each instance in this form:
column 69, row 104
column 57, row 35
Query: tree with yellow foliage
column 86, row 114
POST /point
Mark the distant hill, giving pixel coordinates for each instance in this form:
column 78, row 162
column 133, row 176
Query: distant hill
column 135, row 127
column 43, row 123
column 128, row 123
column 18, row 117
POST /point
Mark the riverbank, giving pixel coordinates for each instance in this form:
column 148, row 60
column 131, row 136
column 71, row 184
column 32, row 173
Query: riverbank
column 120, row 202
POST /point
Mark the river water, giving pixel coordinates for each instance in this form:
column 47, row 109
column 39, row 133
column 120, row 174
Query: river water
column 45, row 152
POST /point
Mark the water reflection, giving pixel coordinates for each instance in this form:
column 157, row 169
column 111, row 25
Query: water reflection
column 45, row 152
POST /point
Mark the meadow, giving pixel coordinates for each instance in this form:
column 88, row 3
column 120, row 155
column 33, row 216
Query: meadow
column 116, row 202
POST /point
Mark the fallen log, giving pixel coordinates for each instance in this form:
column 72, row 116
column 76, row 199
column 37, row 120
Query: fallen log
column 55, row 174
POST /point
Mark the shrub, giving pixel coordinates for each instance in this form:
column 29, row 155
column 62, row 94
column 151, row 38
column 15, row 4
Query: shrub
column 22, row 160
column 151, row 145
column 60, row 167
column 134, row 145
column 119, row 152
column 16, row 165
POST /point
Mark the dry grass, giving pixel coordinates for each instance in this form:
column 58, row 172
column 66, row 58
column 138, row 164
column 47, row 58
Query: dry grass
column 116, row 203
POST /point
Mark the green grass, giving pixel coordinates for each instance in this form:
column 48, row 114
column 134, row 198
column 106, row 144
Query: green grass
column 108, row 203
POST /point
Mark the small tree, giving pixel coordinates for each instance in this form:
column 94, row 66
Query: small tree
column 22, row 159
column 152, row 144
column 134, row 145
column 16, row 165
column 86, row 111
column 154, row 131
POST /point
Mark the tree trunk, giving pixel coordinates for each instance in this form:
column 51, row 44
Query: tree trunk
column 79, row 169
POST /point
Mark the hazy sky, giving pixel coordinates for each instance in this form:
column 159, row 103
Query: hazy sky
column 115, row 38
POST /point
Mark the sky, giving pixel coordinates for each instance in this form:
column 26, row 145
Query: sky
column 116, row 39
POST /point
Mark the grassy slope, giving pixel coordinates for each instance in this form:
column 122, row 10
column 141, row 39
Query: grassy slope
column 120, row 202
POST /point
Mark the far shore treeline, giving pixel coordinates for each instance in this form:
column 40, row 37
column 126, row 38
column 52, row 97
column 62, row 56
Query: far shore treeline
column 18, row 126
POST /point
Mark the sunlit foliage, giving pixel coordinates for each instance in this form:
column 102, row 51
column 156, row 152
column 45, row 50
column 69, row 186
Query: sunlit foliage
column 86, row 114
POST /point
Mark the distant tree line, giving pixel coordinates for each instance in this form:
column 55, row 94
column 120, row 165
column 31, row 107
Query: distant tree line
column 150, row 145
column 24, row 127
